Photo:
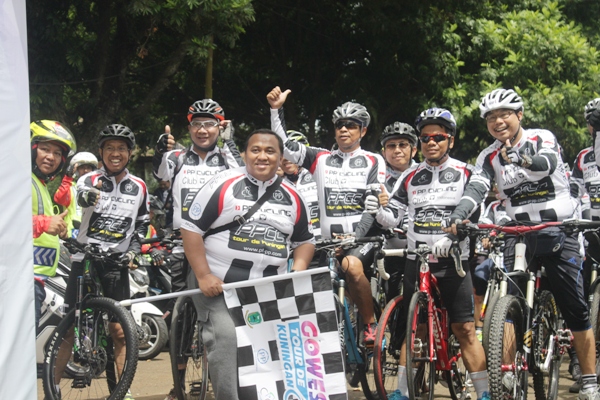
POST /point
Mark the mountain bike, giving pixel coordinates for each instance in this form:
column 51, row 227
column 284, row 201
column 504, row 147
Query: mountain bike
column 358, row 359
column 525, row 329
column 85, row 337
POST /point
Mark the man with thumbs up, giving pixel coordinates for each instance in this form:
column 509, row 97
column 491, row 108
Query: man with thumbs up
column 51, row 145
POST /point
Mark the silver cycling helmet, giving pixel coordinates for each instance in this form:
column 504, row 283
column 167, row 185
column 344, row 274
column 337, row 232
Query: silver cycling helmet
column 117, row 131
column 296, row 136
column 399, row 130
column 500, row 99
column 84, row 158
column 354, row 111
column 206, row 108
column 438, row 116
column 590, row 107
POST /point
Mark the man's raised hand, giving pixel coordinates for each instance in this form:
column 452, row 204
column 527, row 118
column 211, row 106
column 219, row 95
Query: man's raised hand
column 276, row 97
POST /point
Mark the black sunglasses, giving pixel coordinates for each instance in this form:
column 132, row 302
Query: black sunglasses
column 346, row 123
column 436, row 138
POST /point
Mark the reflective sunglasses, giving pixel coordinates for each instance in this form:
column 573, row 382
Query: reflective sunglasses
column 346, row 123
column 438, row 137
column 204, row 124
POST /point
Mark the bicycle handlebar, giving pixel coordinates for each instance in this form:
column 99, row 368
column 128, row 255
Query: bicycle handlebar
column 574, row 224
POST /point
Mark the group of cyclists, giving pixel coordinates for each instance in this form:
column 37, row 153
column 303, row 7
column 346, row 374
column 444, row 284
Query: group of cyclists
column 285, row 193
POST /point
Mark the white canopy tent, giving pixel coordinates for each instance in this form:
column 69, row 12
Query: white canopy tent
column 17, row 336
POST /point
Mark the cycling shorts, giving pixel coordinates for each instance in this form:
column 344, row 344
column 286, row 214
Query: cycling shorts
column 365, row 253
column 115, row 283
column 563, row 271
column 456, row 292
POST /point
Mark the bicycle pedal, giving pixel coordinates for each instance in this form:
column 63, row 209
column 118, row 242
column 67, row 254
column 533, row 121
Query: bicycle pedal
column 78, row 383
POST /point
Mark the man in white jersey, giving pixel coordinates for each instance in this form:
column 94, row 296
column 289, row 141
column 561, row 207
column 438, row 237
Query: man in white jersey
column 343, row 176
column 526, row 166
column 188, row 169
column 222, row 247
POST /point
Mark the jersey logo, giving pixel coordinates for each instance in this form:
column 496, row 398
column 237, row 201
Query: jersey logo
column 590, row 157
column 244, row 191
column 129, row 188
column 277, row 195
column 449, row 176
column 215, row 160
column 422, row 178
column 334, row 161
column 191, row 159
column 358, row 162
column 107, row 185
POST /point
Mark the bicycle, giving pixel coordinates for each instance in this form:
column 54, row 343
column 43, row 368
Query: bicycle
column 357, row 358
column 526, row 328
column 92, row 349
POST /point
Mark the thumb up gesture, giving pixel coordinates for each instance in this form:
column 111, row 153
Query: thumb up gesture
column 58, row 226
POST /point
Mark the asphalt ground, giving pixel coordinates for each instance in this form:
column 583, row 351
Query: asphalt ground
column 153, row 381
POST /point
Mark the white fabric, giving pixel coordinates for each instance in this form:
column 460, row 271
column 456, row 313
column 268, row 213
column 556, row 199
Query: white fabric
column 17, row 353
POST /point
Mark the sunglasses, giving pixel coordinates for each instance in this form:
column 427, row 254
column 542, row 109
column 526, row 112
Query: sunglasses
column 393, row 146
column 346, row 123
column 440, row 137
column 204, row 124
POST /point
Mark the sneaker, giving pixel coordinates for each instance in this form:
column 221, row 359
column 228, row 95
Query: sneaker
column 485, row 396
column 128, row 396
column 576, row 386
column 396, row 395
column 369, row 334
column 575, row 369
column 589, row 394
column 171, row 395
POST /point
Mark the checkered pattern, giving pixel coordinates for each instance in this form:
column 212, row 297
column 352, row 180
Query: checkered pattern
column 287, row 337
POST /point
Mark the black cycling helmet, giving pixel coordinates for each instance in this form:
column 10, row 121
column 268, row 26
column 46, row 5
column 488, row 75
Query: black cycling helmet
column 296, row 136
column 206, row 108
column 354, row 111
column 590, row 107
column 437, row 116
column 117, row 131
column 399, row 130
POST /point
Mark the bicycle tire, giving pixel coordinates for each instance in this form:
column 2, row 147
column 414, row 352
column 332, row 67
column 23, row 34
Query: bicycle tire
column 487, row 318
column 457, row 377
column 367, row 379
column 386, row 353
column 508, row 338
column 417, row 350
column 97, row 361
column 594, row 319
column 186, row 347
column 545, row 385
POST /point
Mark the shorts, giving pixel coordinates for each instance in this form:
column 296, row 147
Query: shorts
column 563, row 268
column 365, row 253
column 456, row 292
column 115, row 283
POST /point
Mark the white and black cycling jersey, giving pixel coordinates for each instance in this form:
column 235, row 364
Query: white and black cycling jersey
column 495, row 213
column 259, row 246
column 307, row 187
column 122, row 208
column 398, row 241
column 429, row 194
column 342, row 179
column 585, row 183
column 537, row 193
column 191, row 172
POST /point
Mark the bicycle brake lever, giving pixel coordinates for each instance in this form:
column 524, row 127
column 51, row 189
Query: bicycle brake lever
column 455, row 254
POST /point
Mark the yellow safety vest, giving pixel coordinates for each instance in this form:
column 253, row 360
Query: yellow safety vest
column 46, row 248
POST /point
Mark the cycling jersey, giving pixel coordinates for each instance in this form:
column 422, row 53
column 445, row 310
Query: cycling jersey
column 392, row 175
column 307, row 187
column 259, row 246
column 537, row 193
column 190, row 172
column 585, row 182
column 495, row 213
column 122, row 208
column 398, row 241
column 342, row 179
column 429, row 194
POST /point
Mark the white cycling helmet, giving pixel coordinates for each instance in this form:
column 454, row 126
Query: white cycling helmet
column 84, row 158
column 355, row 111
column 500, row 99
column 590, row 107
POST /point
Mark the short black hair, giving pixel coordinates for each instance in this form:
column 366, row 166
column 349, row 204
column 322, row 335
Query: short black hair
column 268, row 132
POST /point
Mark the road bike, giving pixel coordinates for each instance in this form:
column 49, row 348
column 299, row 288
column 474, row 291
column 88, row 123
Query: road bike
column 85, row 337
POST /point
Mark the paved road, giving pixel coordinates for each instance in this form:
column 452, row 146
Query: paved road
column 153, row 381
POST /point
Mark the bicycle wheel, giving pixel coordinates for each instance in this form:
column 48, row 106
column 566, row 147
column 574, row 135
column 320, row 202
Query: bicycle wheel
column 594, row 311
column 189, row 364
column 386, row 353
column 459, row 384
column 367, row 381
column 546, row 370
column 487, row 319
column 507, row 358
column 93, row 353
column 418, row 357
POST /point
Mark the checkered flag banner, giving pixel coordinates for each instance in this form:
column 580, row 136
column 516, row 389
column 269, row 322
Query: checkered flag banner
column 288, row 342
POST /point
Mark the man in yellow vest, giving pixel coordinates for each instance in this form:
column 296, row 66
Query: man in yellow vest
column 51, row 145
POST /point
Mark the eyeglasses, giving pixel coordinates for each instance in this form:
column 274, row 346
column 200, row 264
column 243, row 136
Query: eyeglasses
column 204, row 124
column 346, row 123
column 394, row 146
column 121, row 149
column 504, row 115
column 438, row 137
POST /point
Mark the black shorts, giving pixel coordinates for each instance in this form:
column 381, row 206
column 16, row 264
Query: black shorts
column 365, row 253
column 115, row 283
column 456, row 292
column 560, row 255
